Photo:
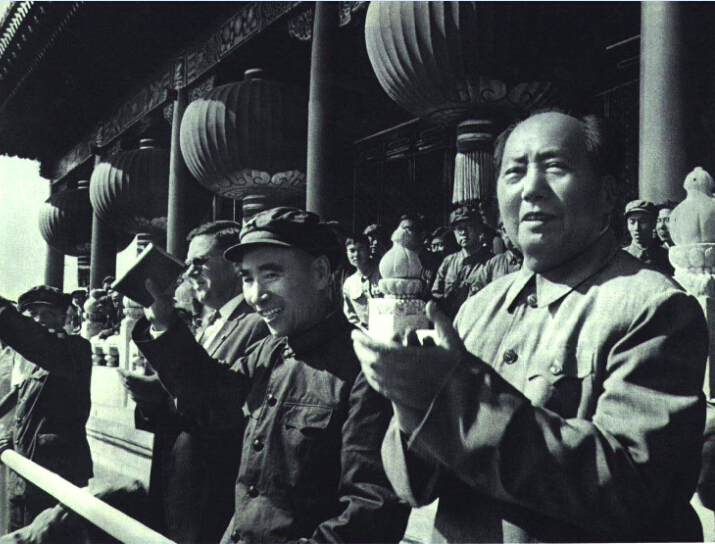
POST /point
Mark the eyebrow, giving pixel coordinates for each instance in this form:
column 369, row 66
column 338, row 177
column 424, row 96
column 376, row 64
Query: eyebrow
column 540, row 156
column 268, row 267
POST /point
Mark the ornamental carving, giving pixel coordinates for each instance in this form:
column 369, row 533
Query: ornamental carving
column 300, row 27
column 202, row 88
column 181, row 71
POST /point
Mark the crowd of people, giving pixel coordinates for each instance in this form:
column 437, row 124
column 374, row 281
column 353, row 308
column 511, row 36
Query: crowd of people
column 559, row 400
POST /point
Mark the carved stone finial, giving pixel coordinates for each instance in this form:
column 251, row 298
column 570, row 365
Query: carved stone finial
column 693, row 220
column 401, row 309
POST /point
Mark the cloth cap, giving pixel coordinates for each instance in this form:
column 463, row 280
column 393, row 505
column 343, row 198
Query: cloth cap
column 288, row 227
column 641, row 206
column 375, row 229
column 44, row 294
column 464, row 214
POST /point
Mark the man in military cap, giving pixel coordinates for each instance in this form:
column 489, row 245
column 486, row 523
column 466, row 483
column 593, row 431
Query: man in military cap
column 310, row 467
column 52, row 403
column 641, row 217
column 456, row 273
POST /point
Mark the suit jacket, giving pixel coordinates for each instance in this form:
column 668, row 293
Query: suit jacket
column 193, row 473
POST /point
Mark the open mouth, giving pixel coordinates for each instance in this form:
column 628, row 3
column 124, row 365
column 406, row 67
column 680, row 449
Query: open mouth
column 269, row 315
column 537, row 217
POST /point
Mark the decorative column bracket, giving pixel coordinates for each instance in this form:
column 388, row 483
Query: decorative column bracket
column 300, row 26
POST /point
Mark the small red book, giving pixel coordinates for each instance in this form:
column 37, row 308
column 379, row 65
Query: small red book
column 155, row 263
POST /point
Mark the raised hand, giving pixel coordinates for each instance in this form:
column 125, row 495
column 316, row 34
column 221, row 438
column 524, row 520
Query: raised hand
column 161, row 313
column 409, row 375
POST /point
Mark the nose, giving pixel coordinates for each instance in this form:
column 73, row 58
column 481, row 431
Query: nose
column 255, row 292
column 533, row 185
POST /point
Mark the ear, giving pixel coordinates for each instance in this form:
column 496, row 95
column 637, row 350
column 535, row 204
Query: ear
column 608, row 186
column 321, row 272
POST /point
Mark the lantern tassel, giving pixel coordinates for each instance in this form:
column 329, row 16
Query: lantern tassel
column 474, row 163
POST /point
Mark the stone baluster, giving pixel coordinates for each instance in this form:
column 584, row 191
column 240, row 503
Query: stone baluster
column 402, row 308
column 692, row 227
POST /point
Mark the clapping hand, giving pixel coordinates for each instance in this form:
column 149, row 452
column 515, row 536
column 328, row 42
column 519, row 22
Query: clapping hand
column 407, row 374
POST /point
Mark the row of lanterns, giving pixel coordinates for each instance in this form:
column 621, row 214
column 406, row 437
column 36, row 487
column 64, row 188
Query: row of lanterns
column 245, row 139
column 453, row 63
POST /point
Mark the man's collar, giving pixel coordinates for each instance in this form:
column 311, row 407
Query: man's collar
column 227, row 309
column 306, row 341
column 561, row 280
column 637, row 251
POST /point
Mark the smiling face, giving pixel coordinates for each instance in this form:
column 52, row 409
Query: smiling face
column 640, row 227
column 358, row 254
column 286, row 286
column 213, row 278
column 550, row 198
column 662, row 225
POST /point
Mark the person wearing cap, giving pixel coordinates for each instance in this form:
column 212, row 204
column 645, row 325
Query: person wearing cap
column 193, row 470
column 363, row 285
column 443, row 243
column 310, row 467
column 52, row 402
column 641, row 217
column 565, row 404
column 456, row 273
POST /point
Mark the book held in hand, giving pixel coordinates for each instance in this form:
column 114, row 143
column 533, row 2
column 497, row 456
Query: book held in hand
column 155, row 263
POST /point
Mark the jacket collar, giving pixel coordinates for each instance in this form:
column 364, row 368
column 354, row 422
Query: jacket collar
column 556, row 283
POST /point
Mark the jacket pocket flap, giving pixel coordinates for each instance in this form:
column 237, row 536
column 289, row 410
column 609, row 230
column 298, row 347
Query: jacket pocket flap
column 302, row 416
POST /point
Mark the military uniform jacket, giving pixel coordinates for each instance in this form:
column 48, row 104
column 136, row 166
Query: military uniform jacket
column 454, row 278
column 53, row 403
column 310, row 468
column 193, row 470
column 578, row 416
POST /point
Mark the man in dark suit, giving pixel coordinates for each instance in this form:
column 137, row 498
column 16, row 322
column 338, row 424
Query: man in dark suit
column 194, row 471
column 52, row 402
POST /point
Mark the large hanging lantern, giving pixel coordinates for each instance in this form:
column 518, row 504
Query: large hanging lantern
column 130, row 190
column 473, row 63
column 66, row 222
column 249, row 139
column 449, row 61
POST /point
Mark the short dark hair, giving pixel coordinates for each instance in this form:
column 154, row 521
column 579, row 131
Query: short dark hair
column 416, row 218
column 667, row 205
column 357, row 238
column 600, row 137
column 226, row 233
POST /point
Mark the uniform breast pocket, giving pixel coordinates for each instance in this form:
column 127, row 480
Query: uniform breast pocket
column 562, row 381
column 306, row 440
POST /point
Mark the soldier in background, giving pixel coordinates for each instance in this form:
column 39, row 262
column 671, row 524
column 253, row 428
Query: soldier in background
column 641, row 220
column 52, row 402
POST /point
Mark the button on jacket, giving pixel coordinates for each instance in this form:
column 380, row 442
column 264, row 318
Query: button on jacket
column 310, row 467
column 53, row 402
column 193, row 470
column 578, row 417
